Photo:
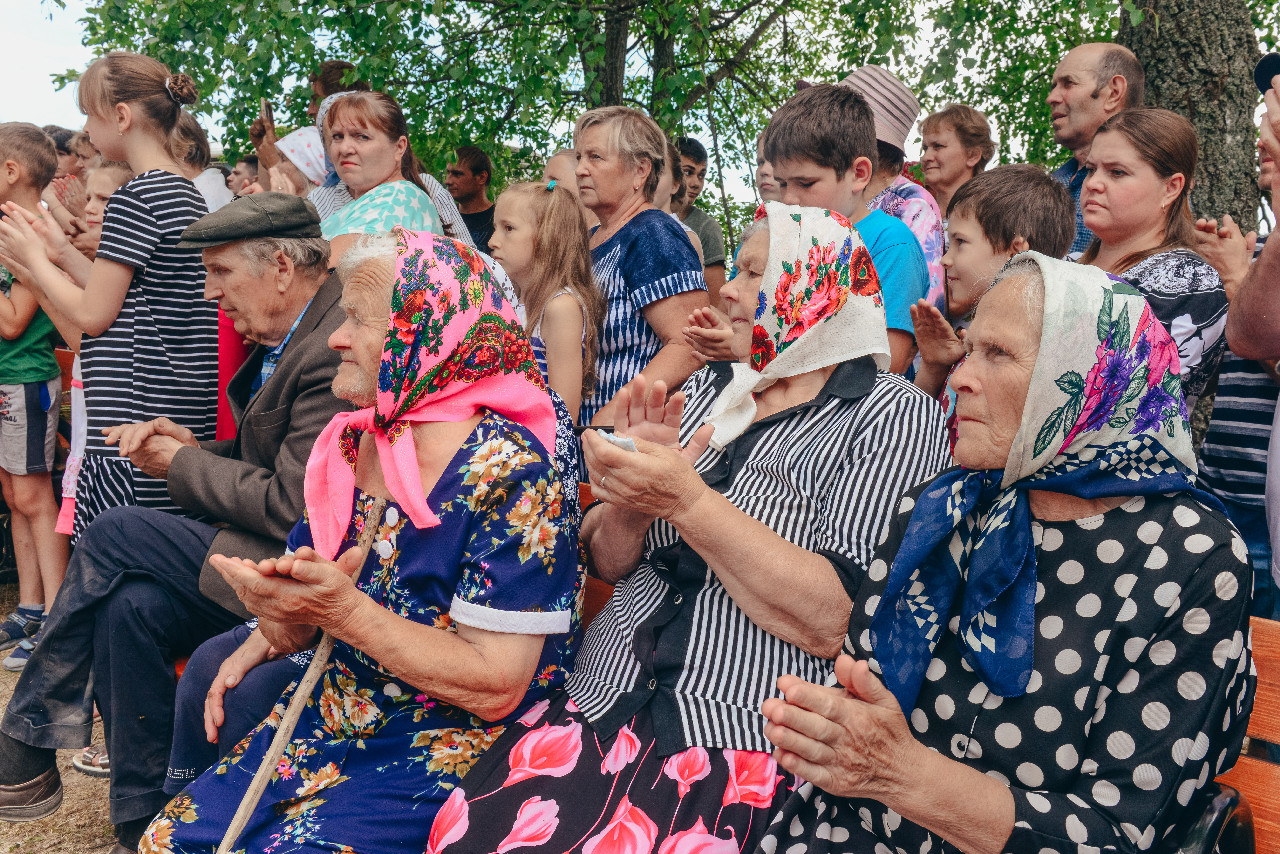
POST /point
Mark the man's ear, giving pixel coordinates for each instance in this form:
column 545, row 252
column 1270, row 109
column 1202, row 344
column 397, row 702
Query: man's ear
column 284, row 271
column 1115, row 93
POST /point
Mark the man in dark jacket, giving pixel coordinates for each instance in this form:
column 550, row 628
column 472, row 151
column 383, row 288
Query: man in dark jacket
column 139, row 591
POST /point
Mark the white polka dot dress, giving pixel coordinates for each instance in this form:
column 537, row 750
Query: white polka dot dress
column 1139, row 697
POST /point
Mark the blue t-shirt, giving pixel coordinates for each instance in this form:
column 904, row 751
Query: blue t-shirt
column 900, row 264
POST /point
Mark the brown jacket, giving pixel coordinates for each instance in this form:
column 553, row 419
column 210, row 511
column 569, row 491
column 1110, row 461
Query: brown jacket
column 252, row 484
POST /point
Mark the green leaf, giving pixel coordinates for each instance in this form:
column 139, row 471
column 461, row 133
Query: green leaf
column 1071, row 382
column 1048, row 431
column 1104, row 317
column 1121, row 339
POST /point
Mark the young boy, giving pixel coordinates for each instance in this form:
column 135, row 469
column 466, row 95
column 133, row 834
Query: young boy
column 822, row 144
column 30, row 389
column 693, row 162
column 991, row 218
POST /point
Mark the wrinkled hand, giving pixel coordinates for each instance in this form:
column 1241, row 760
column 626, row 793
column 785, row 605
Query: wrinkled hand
column 940, row 345
column 710, row 335
column 299, row 589
column 130, row 437
column 255, row 650
column 1226, row 249
column 658, row 479
column 262, row 133
column 852, row 742
column 251, row 188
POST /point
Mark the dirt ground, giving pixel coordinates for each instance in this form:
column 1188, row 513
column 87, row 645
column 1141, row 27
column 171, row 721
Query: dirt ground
column 82, row 823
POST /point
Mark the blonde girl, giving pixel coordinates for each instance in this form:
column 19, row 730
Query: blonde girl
column 147, row 338
column 540, row 239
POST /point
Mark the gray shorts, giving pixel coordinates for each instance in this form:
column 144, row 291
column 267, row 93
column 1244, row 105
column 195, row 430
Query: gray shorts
column 29, row 426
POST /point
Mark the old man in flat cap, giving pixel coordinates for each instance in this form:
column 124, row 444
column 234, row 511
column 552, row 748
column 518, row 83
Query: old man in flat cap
column 139, row 593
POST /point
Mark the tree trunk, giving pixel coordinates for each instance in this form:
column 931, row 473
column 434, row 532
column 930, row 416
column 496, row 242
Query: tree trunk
column 613, row 73
column 664, row 64
column 1199, row 57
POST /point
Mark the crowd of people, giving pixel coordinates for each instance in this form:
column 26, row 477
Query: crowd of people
column 909, row 544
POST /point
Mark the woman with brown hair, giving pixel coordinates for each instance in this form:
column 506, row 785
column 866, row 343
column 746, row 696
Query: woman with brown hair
column 1136, row 201
column 368, row 141
column 956, row 146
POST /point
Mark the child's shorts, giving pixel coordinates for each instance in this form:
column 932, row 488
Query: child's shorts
column 29, row 426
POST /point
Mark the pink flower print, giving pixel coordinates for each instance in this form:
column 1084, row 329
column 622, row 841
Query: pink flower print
column 687, row 767
column 451, row 822
column 572, row 708
column 696, row 840
column 624, row 750
column 535, row 822
column 1164, row 352
column 536, row 711
column 630, row 831
column 752, row 778
column 548, row 751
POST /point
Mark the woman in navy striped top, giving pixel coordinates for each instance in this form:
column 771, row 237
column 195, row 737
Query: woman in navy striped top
column 644, row 263
column 148, row 339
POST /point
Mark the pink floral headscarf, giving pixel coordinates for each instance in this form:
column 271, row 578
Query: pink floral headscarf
column 820, row 306
column 454, row 347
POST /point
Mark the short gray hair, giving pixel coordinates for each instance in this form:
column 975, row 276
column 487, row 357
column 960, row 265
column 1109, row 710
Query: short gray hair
column 308, row 254
column 633, row 136
column 368, row 249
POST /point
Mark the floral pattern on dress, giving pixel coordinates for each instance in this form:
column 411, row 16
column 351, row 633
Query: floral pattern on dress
column 908, row 201
column 369, row 745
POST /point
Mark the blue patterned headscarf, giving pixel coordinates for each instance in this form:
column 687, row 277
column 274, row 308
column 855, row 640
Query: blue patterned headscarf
column 1104, row 417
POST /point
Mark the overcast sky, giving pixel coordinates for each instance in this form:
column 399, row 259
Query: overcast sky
column 41, row 40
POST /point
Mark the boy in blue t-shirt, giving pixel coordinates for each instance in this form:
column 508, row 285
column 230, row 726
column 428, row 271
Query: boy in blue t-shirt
column 822, row 145
column 30, row 388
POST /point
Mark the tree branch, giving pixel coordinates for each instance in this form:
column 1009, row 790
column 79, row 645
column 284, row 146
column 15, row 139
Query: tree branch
column 733, row 63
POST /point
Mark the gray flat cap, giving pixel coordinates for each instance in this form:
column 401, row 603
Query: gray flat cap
column 247, row 217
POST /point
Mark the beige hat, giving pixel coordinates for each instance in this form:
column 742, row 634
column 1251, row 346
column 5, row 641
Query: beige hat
column 894, row 105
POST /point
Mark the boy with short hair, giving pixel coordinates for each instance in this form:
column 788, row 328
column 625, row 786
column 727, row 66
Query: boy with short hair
column 30, row 388
column 822, row 145
column 991, row 218
column 693, row 163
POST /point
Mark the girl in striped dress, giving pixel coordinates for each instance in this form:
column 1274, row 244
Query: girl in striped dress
column 540, row 239
column 149, row 343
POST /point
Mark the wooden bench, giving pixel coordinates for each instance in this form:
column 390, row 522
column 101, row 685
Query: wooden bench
column 1256, row 778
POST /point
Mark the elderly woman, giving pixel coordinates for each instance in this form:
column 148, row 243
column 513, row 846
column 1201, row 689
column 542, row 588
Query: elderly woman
column 730, row 563
column 1060, row 623
column 434, row 549
column 651, row 276
column 1137, row 202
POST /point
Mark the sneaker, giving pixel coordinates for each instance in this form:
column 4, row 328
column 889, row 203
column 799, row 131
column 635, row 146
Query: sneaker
column 15, row 629
column 22, row 653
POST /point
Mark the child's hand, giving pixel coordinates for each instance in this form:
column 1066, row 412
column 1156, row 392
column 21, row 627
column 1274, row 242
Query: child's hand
column 710, row 335
column 939, row 344
column 70, row 191
column 18, row 236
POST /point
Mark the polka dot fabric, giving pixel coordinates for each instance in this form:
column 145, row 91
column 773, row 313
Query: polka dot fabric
column 1139, row 697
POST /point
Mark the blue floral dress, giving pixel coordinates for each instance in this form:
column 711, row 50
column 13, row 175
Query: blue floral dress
column 368, row 745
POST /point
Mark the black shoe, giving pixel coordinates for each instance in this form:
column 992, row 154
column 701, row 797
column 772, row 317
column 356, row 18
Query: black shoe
column 33, row 799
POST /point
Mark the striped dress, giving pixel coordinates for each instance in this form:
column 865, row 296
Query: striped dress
column 159, row 358
column 648, row 260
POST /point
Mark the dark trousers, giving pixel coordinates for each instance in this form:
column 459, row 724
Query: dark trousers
column 129, row 607
column 244, row 706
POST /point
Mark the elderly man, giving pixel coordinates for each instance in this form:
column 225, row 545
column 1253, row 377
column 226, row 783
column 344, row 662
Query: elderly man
column 1091, row 84
column 139, row 593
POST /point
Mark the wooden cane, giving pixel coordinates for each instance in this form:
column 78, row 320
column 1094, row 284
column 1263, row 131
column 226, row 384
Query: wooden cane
column 296, row 703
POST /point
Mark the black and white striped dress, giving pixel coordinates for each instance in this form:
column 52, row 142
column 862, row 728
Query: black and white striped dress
column 159, row 358
column 825, row 476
